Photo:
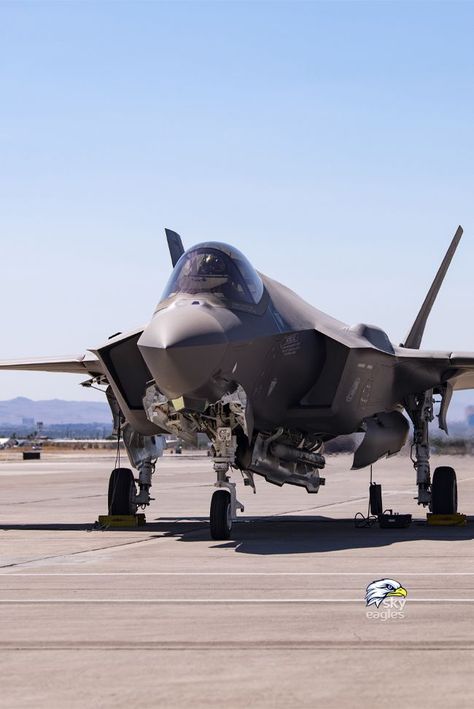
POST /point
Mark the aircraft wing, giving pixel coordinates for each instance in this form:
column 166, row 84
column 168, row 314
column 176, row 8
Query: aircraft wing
column 79, row 364
column 460, row 372
column 425, row 369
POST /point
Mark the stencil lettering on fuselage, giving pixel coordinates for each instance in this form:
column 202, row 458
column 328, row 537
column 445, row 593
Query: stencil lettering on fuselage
column 352, row 390
column 290, row 344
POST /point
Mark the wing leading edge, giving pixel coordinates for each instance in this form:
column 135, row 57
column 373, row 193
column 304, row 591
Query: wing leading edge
column 79, row 364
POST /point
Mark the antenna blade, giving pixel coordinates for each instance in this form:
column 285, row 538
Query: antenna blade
column 175, row 246
column 414, row 337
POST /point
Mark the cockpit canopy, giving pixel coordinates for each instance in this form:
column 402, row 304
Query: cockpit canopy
column 217, row 269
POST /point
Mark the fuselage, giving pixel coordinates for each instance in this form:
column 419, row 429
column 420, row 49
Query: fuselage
column 299, row 367
column 221, row 325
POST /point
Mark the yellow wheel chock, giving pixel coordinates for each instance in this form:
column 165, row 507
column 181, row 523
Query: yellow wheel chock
column 455, row 520
column 107, row 521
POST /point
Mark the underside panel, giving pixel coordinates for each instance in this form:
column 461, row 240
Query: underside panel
column 465, row 380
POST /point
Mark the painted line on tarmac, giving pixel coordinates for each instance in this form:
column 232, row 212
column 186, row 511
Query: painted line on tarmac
column 208, row 601
column 226, row 573
column 244, row 645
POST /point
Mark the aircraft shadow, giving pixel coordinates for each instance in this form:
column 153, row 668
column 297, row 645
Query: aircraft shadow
column 276, row 535
column 309, row 535
column 56, row 526
column 165, row 526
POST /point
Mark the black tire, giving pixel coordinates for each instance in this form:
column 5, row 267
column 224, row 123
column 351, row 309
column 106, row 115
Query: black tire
column 121, row 491
column 444, row 491
column 220, row 516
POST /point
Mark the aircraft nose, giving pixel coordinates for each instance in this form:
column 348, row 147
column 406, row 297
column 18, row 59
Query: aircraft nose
column 183, row 347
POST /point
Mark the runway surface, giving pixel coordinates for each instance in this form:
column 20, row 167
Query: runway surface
column 275, row 617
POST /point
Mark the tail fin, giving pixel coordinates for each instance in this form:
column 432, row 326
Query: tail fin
column 175, row 246
column 414, row 337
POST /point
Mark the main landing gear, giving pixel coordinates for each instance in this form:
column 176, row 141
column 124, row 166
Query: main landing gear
column 126, row 494
column 122, row 492
column 444, row 492
column 440, row 493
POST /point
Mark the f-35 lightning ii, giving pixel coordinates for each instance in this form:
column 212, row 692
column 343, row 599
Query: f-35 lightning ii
column 269, row 378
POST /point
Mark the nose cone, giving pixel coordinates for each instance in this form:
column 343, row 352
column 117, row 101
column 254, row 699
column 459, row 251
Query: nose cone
column 183, row 347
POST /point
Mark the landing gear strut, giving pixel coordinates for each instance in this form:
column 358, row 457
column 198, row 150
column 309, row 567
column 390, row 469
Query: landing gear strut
column 420, row 409
column 143, row 452
column 440, row 494
column 224, row 503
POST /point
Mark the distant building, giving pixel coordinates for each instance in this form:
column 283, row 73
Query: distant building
column 8, row 442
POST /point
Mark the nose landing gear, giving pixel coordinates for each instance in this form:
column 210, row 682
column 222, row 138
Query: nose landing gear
column 224, row 503
column 143, row 451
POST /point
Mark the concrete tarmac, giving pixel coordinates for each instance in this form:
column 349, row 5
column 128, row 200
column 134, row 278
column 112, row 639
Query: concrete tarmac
column 163, row 616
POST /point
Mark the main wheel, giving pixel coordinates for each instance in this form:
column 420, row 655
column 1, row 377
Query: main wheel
column 444, row 492
column 220, row 515
column 121, row 492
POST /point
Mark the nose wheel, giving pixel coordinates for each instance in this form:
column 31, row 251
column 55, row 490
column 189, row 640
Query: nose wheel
column 220, row 516
column 224, row 506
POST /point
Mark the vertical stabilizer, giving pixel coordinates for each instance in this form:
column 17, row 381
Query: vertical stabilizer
column 175, row 246
column 414, row 337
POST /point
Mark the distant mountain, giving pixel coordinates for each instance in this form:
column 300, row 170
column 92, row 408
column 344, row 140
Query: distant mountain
column 54, row 411
column 57, row 411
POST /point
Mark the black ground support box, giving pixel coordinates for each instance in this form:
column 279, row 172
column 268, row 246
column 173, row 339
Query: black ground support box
column 31, row 455
column 388, row 520
column 375, row 497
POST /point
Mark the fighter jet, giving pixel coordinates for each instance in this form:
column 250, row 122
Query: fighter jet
column 270, row 379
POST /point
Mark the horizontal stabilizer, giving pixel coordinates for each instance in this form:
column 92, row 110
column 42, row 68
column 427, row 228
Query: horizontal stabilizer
column 414, row 337
column 175, row 246
column 81, row 364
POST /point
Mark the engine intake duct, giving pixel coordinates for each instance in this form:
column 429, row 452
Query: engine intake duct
column 297, row 455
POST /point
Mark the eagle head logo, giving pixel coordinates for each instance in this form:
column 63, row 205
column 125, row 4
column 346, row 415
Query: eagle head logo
column 378, row 591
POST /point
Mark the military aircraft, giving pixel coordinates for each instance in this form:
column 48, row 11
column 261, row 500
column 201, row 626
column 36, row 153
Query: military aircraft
column 269, row 378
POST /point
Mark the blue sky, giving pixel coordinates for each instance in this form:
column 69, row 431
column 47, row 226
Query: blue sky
column 333, row 143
